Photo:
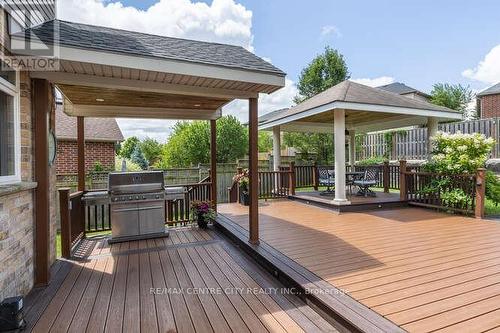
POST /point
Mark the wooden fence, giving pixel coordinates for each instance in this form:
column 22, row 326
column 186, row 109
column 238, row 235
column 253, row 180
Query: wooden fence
column 412, row 144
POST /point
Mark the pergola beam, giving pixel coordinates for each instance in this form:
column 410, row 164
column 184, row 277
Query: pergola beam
column 253, row 170
column 110, row 111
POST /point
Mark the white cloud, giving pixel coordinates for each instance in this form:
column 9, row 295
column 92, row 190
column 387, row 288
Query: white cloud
column 223, row 21
column 488, row 69
column 330, row 30
column 376, row 82
column 280, row 99
column 146, row 128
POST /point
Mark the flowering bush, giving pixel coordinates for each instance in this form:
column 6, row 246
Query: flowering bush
column 455, row 154
column 459, row 153
column 242, row 180
column 202, row 209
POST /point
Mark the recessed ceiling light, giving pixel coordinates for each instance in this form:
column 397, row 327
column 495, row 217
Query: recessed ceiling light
column 99, row 100
column 197, row 105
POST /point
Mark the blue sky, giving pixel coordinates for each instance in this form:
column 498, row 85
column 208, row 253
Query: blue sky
column 419, row 43
column 416, row 42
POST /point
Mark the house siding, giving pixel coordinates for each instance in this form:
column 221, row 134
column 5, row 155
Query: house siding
column 67, row 155
column 490, row 106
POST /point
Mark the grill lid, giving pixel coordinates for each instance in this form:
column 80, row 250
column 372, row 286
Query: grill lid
column 135, row 182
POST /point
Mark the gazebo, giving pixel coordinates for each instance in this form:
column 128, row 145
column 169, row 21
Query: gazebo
column 349, row 108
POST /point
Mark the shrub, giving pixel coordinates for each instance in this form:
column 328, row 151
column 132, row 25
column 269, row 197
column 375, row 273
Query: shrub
column 376, row 160
column 98, row 167
column 492, row 187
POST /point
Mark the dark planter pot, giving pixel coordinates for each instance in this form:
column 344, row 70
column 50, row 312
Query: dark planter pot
column 244, row 198
column 202, row 222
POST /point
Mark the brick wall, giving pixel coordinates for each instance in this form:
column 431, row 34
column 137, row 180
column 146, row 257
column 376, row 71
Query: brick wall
column 490, row 106
column 67, row 156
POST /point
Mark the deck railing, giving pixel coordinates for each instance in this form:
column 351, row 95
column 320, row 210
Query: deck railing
column 72, row 220
column 178, row 212
column 275, row 184
column 427, row 189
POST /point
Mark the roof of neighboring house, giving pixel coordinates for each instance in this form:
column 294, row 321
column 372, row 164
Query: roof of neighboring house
column 493, row 90
column 402, row 89
column 96, row 129
column 351, row 92
column 129, row 42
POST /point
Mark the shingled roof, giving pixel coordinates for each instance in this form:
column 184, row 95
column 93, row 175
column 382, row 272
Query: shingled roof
column 490, row 91
column 348, row 91
column 96, row 129
column 401, row 89
column 134, row 43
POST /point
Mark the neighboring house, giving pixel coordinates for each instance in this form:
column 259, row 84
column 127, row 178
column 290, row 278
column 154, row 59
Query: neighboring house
column 101, row 137
column 488, row 102
column 403, row 90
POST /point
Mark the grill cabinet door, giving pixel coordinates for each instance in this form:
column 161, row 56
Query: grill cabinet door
column 124, row 220
column 151, row 217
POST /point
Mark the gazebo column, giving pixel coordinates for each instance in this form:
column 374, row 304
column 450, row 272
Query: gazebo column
column 253, row 170
column 432, row 129
column 352, row 148
column 213, row 161
column 80, row 139
column 276, row 148
column 339, row 150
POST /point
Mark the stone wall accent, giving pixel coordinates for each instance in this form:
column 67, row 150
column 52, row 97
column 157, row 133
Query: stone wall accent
column 490, row 106
column 16, row 244
column 67, row 156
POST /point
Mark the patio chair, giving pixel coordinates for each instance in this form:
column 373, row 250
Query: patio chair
column 326, row 178
column 369, row 179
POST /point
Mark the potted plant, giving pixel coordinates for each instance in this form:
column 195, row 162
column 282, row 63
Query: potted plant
column 203, row 212
column 242, row 180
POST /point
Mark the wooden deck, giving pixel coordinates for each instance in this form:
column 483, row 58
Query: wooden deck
column 424, row 271
column 213, row 288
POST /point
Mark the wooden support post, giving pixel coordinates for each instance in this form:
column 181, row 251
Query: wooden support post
column 80, row 138
column 41, row 110
column 315, row 176
column 213, row 161
column 386, row 175
column 403, row 195
column 291, row 181
column 253, row 169
column 64, row 210
column 480, row 193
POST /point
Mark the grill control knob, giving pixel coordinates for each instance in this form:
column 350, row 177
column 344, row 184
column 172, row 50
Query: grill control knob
column 136, row 197
column 130, row 198
column 143, row 197
column 157, row 196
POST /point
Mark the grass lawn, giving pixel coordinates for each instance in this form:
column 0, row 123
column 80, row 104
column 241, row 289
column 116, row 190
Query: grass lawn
column 89, row 235
column 490, row 208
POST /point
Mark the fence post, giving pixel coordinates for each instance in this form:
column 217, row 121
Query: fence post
column 315, row 176
column 291, row 181
column 403, row 195
column 385, row 175
column 64, row 211
column 480, row 193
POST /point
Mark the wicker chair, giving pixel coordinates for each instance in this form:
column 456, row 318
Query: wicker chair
column 369, row 179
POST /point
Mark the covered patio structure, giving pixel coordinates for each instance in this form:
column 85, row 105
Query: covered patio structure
column 106, row 72
column 350, row 108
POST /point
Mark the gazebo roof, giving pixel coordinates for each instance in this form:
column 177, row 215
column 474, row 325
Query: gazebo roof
column 365, row 106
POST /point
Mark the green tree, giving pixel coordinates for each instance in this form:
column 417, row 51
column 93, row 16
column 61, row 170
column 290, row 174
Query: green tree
column 138, row 158
column 151, row 150
column 453, row 96
column 265, row 142
column 128, row 147
column 319, row 144
column 189, row 143
column 325, row 71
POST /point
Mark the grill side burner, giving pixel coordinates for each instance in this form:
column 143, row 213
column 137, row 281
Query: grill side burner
column 137, row 202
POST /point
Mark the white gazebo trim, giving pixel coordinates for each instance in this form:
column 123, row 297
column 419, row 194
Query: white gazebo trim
column 361, row 107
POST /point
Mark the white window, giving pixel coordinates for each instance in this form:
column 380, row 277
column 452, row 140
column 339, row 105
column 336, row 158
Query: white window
column 10, row 128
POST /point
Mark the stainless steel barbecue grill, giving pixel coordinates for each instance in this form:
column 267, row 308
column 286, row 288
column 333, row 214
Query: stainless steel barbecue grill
column 137, row 202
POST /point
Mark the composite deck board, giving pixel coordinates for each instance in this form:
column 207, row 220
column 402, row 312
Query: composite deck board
column 124, row 287
column 423, row 270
